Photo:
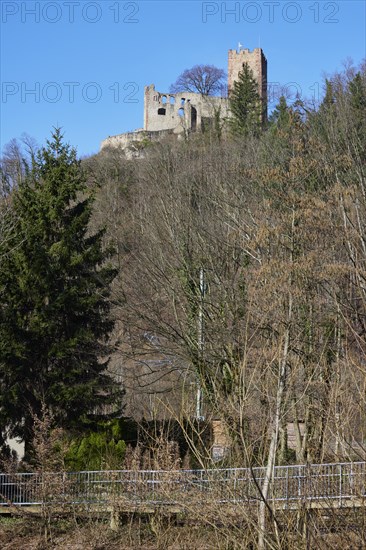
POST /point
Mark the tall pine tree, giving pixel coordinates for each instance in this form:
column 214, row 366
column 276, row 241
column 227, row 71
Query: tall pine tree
column 357, row 89
column 245, row 104
column 281, row 116
column 54, row 300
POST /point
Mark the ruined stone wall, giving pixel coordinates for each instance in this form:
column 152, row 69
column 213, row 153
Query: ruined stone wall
column 257, row 63
column 122, row 140
column 180, row 112
column 128, row 139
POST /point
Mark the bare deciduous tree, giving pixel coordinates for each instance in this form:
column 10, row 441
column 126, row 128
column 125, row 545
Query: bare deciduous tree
column 201, row 79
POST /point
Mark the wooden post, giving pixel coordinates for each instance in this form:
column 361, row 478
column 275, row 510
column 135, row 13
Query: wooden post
column 115, row 519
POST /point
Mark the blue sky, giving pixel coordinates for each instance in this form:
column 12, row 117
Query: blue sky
column 83, row 64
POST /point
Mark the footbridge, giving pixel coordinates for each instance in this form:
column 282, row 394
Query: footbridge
column 311, row 485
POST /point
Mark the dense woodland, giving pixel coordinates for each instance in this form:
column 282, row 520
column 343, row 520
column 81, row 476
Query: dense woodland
column 240, row 268
column 276, row 223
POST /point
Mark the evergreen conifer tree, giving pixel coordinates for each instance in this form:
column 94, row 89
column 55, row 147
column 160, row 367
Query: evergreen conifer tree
column 329, row 99
column 357, row 89
column 54, row 300
column 245, row 104
column 281, row 115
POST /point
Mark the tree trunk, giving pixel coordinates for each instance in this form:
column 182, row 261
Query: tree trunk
column 282, row 376
column 275, row 431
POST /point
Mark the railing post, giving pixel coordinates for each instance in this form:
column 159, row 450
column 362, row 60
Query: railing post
column 155, row 491
column 135, row 484
column 340, row 485
column 88, row 488
column 235, row 484
column 351, row 480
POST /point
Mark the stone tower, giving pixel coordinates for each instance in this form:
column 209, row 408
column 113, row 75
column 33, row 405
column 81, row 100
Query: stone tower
column 257, row 62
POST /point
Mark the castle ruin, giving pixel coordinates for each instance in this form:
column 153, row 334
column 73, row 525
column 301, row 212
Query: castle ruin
column 185, row 112
column 180, row 112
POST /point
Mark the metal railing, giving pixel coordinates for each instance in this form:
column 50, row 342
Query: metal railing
column 338, row 483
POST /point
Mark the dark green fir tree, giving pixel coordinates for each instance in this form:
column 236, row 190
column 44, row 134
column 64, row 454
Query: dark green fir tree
column 329, row 98
column 55, row 278
column 281, row 115
column 245, row 104
column 357, row 89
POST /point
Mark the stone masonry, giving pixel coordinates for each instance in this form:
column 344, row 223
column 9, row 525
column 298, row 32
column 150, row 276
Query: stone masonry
column 180, row 112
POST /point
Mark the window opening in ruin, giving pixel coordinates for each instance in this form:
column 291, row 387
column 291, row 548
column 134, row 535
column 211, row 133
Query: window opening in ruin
column 161, row 111
column 181, row 112
column 163, row 99
column 182, row 101
column 193, row 119
column 172, row 100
